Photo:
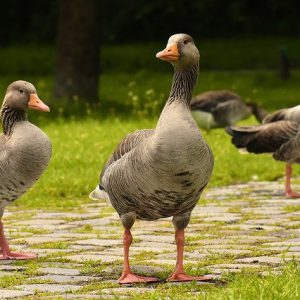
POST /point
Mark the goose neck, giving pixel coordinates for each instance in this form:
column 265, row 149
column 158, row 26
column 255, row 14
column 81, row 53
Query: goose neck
column 10, row 117
column 184, row 81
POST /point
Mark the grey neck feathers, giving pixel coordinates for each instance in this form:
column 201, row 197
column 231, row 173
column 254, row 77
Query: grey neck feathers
column 183, row 84
column 10, row 117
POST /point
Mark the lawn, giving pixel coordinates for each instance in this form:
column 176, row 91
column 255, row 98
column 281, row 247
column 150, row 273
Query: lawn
column 83, row 137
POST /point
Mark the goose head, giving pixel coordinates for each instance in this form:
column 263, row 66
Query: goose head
column 21, row 95
column 180, row 51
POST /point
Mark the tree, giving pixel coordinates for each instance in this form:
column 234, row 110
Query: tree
column 78, row 50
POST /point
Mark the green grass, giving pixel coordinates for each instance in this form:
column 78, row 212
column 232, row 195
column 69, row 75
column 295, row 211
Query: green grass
column 244, row 286
column 84, row 137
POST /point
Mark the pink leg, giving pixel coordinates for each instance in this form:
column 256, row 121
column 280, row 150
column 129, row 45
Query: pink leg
column 127, row 275
column 288, row 189
column 6, row 253
column 179, row 274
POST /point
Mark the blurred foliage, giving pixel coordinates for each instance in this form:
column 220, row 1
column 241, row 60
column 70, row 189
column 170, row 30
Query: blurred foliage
column 143, row 94
column 216, row 54
column 143, row 103
column 36, row 21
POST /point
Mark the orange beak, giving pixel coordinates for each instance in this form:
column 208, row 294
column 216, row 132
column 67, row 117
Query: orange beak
column 170, row 53
column 36, row 103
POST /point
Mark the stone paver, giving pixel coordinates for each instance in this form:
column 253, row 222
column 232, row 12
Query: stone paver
column 9, row 294
column 48, row 287
column 248, row 226
column 65, row 278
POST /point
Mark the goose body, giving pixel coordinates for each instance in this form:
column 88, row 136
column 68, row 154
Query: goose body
column 25, row 150
column 279, row 134
column 161, row 172
column 23, row 158
column 218, row 109
column 158, row 177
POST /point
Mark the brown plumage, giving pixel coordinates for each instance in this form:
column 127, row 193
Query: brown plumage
column 279, row 134
column 218, row 109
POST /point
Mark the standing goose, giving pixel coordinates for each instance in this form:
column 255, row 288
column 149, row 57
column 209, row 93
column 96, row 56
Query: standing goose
column 161, row 172
column 24, row 151
column 279, row 134
column 218, row 109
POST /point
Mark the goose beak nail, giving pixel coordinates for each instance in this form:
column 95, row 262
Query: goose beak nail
column 36, row 103
column 170, row 53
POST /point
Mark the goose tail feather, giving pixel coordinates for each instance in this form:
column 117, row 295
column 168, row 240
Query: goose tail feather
column 99, row 194
column 242, row 136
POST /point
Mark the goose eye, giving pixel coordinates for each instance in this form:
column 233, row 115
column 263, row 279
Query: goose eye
column 21, row 91
column 185, row 42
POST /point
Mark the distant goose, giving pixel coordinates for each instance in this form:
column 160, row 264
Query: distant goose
column 159, row 173
column 218, row 109
column 24, row 151
column 279, row 134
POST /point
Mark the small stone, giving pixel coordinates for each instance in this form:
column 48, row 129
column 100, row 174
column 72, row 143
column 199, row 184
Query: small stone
column 285, row 248
column 8, row 294
column 97, row 257
column 262, row 260
column 227, row 218
column 226, row 251
column 37, row 222
column 126, row 290
column 99, row 242
column 60, row 271
column 234, row 266
column 4, row 273
column 11, row 268
column 41, row 239
column 65, row 278
column 52, row 288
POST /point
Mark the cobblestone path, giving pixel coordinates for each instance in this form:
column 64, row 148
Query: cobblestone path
column 80, row 252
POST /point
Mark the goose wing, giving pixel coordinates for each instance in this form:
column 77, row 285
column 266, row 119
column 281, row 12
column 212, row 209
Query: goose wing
column 227, row 111
column 210, row 100
column 289, row 151
column 263, row 138
column 3, row 156
column 275, row 116
column 128, row 143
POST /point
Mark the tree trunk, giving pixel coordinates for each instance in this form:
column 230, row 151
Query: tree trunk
column 78, row 57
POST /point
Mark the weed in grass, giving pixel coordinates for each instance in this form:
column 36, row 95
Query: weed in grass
column 91, row 267
column 292, row 208
column 33, row 230
column 52, row 245
column 246, row 285
column 11, row 280
column 144, row 255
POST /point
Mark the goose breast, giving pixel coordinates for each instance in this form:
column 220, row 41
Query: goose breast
column 26, row 155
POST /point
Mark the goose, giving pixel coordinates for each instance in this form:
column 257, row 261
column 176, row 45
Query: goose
column 279, row 134
column 159, row 173
column 24, row 152
column 221, row 108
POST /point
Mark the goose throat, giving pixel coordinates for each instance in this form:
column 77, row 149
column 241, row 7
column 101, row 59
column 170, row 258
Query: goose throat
column 183, row 84
column 9, row 117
